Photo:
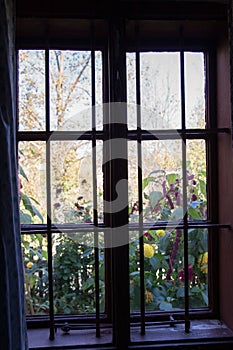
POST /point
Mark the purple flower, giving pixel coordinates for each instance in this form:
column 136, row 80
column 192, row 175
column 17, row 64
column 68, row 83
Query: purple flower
column 172, row 187
column 148, row 236
column 194, row 197
column 181, row 274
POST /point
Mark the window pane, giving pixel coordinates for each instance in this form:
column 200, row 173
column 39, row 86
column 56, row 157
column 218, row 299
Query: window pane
column 99, row 89
column 31, row 95
column 133, row 181
column 160, row 90
column 70, row 82
column 74, row 273
column 195, row 89
column 164, row 270
column 198, row 268
column 163, row 256
column 196, row 179
column 131, row 90
column 72, row 181
column 33, row 178
column 162, row 180
column 34, row 248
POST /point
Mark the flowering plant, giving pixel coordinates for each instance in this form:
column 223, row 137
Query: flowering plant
column 164, row 249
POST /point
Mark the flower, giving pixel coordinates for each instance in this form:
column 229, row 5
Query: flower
column 203, row 261
column 148, row 251
column 160, row 233
column 194, row 197
column 181, row 274
column 29, row 265
column 174, row 253
column 148, row 236
column 149, row 297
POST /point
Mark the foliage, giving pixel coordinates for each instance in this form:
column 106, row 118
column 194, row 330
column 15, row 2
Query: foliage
column 164, row 262
column 74, row 287
column 73, row 254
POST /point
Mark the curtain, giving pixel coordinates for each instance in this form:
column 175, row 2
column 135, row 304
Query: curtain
column 12, row 309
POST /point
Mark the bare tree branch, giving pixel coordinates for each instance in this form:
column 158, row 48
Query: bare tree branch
column 75, row 83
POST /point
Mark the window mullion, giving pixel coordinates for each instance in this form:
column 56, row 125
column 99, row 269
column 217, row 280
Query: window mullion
column 118, row 176
column 48, row 191
column 95, row 210
column 140, row 196
column 185, row 209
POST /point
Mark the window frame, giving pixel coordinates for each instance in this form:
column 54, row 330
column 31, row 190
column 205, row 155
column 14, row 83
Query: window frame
column 212, row 159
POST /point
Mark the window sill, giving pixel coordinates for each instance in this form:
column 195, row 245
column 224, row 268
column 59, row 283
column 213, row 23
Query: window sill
column 208, row 334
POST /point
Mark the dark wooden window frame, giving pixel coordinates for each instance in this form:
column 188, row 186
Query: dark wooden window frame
column 192, row 134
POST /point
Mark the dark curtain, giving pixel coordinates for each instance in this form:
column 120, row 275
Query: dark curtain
column 12, row 314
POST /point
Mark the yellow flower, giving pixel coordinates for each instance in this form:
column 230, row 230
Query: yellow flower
column 148, row 251
column 160, row 233
column 149, row 297
column 29, row 264
column 203, row 261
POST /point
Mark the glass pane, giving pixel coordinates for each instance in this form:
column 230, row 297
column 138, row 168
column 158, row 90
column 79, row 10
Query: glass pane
column 133, row 181
column 160, row 90
column 131, row 90
column 72, row 181
column 164, row 270
column 198, row 268
column 99, row 179
column 162, row 180
column 195, row 89
column 74, row 273
column 70, row 93
column 32, row 170
column 34, row 248
column 196, row 179
column 99, row 89
column 31, row 95
column 163, row 256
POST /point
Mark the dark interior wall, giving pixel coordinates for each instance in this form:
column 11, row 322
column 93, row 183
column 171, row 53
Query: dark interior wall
column 224, row 110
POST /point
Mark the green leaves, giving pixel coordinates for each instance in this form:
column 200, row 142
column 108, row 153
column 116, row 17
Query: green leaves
column 27, row 202
column 193, row 212
column 171, row 178
column 151, row 178
column 154, row 197
column 22, row 173
column 164, row 305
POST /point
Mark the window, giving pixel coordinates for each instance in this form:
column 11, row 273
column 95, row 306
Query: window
column 98, row 249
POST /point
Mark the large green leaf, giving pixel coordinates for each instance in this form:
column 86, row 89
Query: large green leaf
column 25, row 218
column 154, row 261
column 202, row 187
column 22, row 173
column 146, row 181
column 194, row 213
column 151, row 178
column 177, row 214
column 205, row 298
column 154, row 197
column 171, row 178
column 30, row 207
column 165, row 306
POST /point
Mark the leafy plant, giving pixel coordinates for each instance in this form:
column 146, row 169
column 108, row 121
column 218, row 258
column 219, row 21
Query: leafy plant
column 163, row 249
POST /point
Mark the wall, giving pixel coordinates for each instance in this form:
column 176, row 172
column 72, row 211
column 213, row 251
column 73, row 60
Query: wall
column 225, row 182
